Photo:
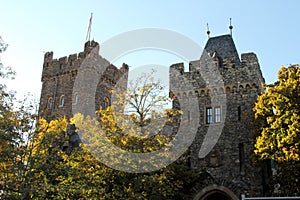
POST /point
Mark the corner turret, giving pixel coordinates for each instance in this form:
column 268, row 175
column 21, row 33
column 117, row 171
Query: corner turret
column 90, row 45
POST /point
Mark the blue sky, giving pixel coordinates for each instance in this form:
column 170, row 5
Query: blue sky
column 31, row 28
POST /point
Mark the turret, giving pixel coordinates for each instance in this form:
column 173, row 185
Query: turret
column 91, row 45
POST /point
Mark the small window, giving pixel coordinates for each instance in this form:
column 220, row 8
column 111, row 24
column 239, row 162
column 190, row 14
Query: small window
column 213, row 115
column 239, row 113
column 76, row 98
column 62, row 100
column 209, row 115
column 217, row 114
column 50, row 103
column 105, row 103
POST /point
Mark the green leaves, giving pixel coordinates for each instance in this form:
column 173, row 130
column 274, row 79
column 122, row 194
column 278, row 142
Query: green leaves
column 33, row 164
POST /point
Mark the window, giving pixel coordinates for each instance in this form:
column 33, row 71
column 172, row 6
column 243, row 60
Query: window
column 62, row 100
column 104, row 103
column 50, row 103
column 239, row 113
column 76, row 99
column 209, row 115
column 213, row 115
column 217, row 114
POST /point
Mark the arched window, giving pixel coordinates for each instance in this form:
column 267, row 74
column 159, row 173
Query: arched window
column 104, row 103
column 62, row 100
column 50, row 103
column 76, row 99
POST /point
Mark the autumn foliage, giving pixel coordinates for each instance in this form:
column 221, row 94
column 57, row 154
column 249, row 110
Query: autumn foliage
column 277, row 113
column 278, row 109
column 33, row 164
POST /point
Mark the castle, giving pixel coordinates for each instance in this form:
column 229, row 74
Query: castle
column 226, row 88
column 58, row 79
column 225, row 101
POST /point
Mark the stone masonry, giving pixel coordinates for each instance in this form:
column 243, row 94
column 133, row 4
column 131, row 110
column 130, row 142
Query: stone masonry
column 58, row 78
column 225, row 87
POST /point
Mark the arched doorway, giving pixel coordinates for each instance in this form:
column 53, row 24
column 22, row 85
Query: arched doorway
column 216, row 195
column 215, row 192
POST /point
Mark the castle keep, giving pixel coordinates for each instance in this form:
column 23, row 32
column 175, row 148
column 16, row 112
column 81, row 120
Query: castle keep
column 225, row 85
column 58, row 78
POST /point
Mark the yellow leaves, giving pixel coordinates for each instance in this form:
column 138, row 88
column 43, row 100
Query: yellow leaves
column 278, row 111
column 54, row 126
column 282, row 74
column 47, row 136
column 124, row 141
column 289, row 154
column 57, row 125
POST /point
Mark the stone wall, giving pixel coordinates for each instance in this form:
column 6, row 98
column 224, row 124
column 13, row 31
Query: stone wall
column 219, row 79
column 233, row 86
column 59, row 76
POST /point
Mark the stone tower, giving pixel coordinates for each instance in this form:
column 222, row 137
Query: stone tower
column 226, row 87
column 58, row 78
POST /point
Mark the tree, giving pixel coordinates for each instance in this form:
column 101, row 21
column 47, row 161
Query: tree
column 277, row 112
column 3, row 45
column 145, row 98
column 135, row 121
column 34, row 163
column 141, row 109
column 127, row 124
column 16, row 128
column 278, row 108
column 55, row 174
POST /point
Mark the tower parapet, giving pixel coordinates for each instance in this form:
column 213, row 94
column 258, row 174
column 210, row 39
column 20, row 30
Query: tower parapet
column 226, row 86
column 59, row 75
column 91, row 45
column 66, row 64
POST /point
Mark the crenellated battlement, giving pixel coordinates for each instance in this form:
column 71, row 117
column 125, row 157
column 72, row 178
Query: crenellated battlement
column 91, row 45
column 59, row 75
column 54, row 66
column 229, row 72
column 69, row 64
column 48, row 56
column 63, row 60
column 178, row 67
column 249, row 58
column 216, row 95
column 221, row 87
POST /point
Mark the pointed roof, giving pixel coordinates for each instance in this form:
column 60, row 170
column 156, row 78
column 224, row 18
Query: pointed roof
column 223, row 46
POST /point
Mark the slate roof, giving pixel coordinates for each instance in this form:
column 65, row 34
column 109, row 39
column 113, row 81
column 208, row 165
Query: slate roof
column 224, row 47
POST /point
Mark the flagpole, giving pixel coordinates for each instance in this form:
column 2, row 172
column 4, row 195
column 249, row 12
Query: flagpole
column 88, row 34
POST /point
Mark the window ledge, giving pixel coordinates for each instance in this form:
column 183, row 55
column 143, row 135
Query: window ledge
column 214, row 124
